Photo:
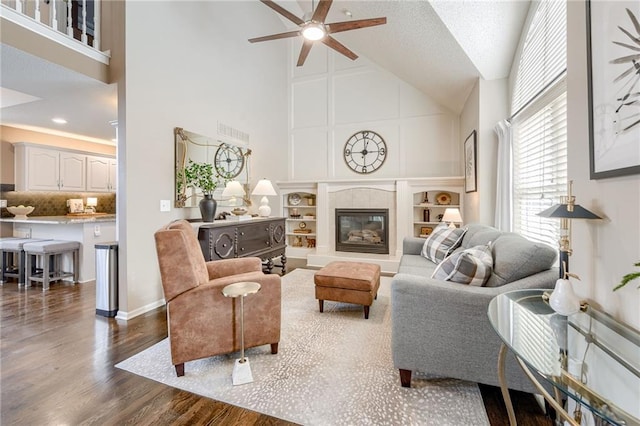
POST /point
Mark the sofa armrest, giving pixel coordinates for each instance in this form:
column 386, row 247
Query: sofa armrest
column 412, row 245
column 227, row 267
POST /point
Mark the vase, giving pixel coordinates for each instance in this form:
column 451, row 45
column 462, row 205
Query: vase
column 208, row 208
column 563, row 300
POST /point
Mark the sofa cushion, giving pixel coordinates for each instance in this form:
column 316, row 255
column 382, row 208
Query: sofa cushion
column 515, row 257
column 470, row 266
column 442, row 241
column 478, row 235
column 415, row 264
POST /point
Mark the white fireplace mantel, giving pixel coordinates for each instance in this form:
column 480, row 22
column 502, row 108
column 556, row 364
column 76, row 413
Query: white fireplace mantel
column 395, row 194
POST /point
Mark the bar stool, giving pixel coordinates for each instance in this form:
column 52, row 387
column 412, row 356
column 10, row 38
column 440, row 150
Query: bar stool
column 12, row 258
column 49, row 254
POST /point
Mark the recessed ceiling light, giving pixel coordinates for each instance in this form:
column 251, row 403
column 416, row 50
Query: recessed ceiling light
column 59, row 120
column 347, row 12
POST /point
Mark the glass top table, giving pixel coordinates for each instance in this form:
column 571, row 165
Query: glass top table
column 588, row 356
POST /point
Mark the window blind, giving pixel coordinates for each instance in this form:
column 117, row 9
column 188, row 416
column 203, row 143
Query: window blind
column 540, row 124
column 544, row 52
column 540, row 167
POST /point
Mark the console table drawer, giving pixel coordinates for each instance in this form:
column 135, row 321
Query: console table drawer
column 226, row 239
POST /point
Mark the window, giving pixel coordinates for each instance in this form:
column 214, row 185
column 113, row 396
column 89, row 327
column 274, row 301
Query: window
column 539, row 123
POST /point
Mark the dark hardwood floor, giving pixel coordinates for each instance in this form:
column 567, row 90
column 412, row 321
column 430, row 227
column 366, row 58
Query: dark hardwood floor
column 57, row 367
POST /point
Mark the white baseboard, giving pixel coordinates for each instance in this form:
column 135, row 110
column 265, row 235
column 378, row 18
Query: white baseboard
column 122, row 315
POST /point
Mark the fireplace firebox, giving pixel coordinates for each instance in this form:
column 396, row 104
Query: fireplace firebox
column 362, row 230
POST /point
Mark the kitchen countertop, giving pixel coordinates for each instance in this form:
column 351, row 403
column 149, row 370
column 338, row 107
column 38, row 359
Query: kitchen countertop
column 61, row 220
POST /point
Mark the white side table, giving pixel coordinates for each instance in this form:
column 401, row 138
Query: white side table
column 241, row 369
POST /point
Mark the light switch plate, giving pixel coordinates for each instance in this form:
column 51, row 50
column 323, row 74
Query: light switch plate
column 165, row 205
column 3, row 203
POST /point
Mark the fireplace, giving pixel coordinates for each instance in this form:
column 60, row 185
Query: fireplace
column 362, row 230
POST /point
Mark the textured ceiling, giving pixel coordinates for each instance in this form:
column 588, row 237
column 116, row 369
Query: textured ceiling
column 440, row 47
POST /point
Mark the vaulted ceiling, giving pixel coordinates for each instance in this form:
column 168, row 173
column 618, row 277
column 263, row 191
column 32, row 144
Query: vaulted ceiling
column 440, row 47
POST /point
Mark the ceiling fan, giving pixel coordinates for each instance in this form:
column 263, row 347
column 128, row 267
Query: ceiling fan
column 314, row 29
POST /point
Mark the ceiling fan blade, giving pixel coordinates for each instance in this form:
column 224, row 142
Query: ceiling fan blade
column 284, row 12
column 339, row 47
column 322, row 10
column 275, row 36
column 304, row 52
column 337, row 27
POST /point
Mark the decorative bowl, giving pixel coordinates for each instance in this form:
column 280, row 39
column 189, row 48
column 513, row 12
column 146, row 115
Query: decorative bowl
column 239, row 211
column 20, row 212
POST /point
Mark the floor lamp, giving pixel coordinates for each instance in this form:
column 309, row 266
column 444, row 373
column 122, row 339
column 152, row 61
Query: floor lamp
column 565, row 211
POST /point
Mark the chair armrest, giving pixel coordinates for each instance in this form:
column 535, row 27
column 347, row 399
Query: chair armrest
column 227, row 267
column 412, row 245
column 201, row 320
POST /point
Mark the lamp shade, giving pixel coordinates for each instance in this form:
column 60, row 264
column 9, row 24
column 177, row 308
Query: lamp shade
column 452, row 214
column 264, row 187
column 563, row 211
column 233, row 189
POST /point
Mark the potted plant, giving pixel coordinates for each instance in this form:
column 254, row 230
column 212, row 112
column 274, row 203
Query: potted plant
column 629, row 277
column 200, row 176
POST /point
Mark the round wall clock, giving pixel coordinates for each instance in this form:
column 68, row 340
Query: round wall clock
column 229, row 160
column 365, row 152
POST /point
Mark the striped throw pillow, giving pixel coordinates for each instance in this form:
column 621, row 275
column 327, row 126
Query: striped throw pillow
column 472, row 266
column 442, row 241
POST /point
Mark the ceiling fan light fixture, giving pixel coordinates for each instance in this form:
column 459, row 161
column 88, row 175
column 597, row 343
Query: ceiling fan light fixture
column 314, row 31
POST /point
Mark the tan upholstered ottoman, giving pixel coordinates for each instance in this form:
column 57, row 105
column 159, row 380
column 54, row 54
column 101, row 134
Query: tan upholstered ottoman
column 349, row 282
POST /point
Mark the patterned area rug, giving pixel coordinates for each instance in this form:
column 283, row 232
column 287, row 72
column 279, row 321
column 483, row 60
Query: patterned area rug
column 333, row 368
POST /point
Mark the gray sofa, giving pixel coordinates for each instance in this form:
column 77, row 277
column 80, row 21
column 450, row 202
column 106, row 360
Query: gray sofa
column 441, row 328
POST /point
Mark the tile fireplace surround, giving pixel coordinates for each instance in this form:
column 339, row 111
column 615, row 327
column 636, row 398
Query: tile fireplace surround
column 397, row 195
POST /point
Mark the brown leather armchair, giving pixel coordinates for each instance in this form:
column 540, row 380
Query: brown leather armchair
column 201, row 321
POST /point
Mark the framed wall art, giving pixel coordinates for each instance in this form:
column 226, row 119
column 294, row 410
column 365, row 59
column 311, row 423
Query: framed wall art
column 470, row 173
column 614, row 86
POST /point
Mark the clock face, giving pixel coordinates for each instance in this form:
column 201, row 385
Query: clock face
column 365, row 152
column 229, row 160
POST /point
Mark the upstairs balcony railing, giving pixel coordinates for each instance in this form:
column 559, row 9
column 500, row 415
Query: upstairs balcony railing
column 76, row 19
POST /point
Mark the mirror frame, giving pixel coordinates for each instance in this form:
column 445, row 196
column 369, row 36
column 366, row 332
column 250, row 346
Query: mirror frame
column 190, row 146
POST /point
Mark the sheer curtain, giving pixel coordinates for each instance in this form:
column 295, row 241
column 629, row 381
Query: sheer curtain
column 503, row 188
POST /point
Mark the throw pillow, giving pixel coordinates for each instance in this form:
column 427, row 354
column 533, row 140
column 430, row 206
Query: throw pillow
column 471, row 266
column 442, row 241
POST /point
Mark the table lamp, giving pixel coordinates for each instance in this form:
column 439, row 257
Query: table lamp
column 452, row 215
column 264, row 188
column 233, row 189
column 565, row 211
column 92, row 203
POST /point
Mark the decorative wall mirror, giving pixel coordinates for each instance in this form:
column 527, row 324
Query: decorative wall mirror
column 228, row 162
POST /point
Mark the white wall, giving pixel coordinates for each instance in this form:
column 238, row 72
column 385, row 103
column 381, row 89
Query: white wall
column 190, row 66
column 604, row 250
column 485, row 106
column 333, row 97
column 469, row 121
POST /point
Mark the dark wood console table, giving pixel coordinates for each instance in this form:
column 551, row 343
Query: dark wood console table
column 257, row 237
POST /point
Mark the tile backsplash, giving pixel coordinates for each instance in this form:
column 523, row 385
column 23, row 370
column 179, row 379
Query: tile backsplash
column 53, row 203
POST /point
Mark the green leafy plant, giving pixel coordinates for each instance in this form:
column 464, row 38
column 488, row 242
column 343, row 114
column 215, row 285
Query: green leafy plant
column 629, row 277
column 200, row 175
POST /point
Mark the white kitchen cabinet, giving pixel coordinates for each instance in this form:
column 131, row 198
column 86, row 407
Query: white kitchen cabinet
column 45, row 169
column 101, row 174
